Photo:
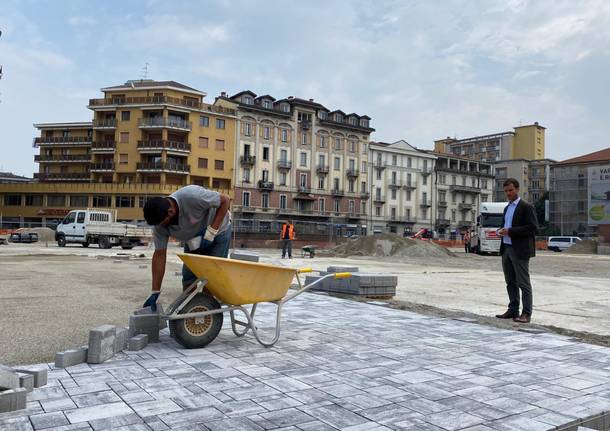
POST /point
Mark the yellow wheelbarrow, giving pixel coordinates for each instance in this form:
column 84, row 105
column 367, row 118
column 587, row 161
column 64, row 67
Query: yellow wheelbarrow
column 227, row 285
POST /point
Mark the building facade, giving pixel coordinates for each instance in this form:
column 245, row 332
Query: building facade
column 524, row 142
column 533, row 177
column 569, row 193
column 401, row 188
column 147, row 138
column 460, row 185
column 296, row 159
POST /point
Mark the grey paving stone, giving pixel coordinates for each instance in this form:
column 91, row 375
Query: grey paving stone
column 57, row 404
column 335, row 416
column 98, row 412
column 101, row 344
column 148, row 310
column 95, row 398
column 138, row 342
column 8, row 378
column 26, row 381
column 191, row 416
column 71, row 357
column 48, row 420
column 40, row 375
column 144, row 324
column 129, row 421
column 287, row 417
column 12, row 399
column 245, row 255
column 121, row 339
column 156, row 407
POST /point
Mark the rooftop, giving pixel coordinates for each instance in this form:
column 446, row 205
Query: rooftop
column 597, row 156
column 141, row 84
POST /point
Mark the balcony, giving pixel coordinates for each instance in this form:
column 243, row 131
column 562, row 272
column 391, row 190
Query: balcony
column 284, row 165
column 353, row 215
column 396, row 185
column 62, row 140
column 102, row 167
column 378, row 164
column 103, row 147
column 410, row 186
column 365, row 195
column 464, row 189
column 265, row 185
column 67, row 158
column 337, row 192
column 425, row 204
column 304, row 190
column 247, row 160
column 465, row 207
column 164, row 123
column 442, row 204
column 465, row 224
column 426, row 171
column 159, row 101
column 379, row 199
column 158, row 146
column 63, row 176
column 179, row 168
column 352, row 173
column 443, row 222
column 409, row 220
column 322, row 169
column 108, row 123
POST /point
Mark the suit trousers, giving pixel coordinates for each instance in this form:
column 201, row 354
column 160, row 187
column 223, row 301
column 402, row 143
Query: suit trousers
column 517, row 277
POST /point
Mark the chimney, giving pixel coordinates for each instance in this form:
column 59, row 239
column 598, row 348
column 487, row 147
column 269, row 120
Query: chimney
column 223, row 94
column 290, row 97
column 311, row 100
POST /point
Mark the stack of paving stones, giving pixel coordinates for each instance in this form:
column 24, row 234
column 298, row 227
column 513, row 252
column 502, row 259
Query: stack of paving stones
column 15, row 384
column 245, row 255
column 370, row 285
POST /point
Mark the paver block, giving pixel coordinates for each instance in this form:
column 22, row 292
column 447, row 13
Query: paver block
column 12, row 399
column 71, row 357
column 138, row 342
column 101, row 344
column 40, row 375
column 144, row 324
column 342, row 269
column 120, row 340
column 8, row 378
column 245, row 255
column 148, row 310
column 26, row 381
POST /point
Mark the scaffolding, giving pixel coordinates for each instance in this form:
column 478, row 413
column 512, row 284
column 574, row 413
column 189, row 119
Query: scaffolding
column 569, row 200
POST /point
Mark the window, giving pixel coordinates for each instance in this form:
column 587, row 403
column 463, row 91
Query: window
column 303, row 116
column 33, row 200
column 408, row 213
column 265, row 175
column 204, row 121
column 283, row 201
column 335, row 183
column 409, row 162
column 202, row 163
column 304, row 138
column 321, row 160
column 220, row 144
column 80, row 201
column 303, row 182
column 353, row 121
column 81, row 217
column 364, row 123
column 352, row 146
column 473, row 182
column 378, row 211
column 363, row 186
column 284, row 155
column 378, row 174
column 322, row 141
column 363, row 166
column 247, row 129
column 123, row 159
column 246, row 199
column 266, row 153
column 284, row 135
column 337, row 143
column 54, row 201
column 203, row 142
column 101, row 201
column 220, row 123
column 320, row 183
column 394, row 180
column 350, row 207
column 424, row 198
column 463, row 181
column 350, row 186
column 125, row 115
column 338, row 118
column 266, row 132
column 246, row 175
column 285, row 107
column 303, row 159
column 265, row 197
column 393, row 192
column 124, row 201
column 336, row 205
column 124, row 137
column 267, row 104
column 337, row 165
column 352, row 164
column 408, row 195
column 283, row 178
column 321, row 205
column 453, row 180
column 425, row 165
column 453, row 216
column 394, row 159
column 424, row 180
column 393, row 213
column 219, row 165
column 248, row 100
column 363, row 208
column 322, row 115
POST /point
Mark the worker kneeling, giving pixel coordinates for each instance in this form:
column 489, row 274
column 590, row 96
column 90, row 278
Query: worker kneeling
column 194, row 215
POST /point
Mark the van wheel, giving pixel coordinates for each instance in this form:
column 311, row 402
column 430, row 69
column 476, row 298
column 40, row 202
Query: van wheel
column 103, row 242
column 61, row 241
column 85, row 244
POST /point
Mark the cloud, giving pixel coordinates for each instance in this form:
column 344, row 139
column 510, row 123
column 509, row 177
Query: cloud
column 82, row 21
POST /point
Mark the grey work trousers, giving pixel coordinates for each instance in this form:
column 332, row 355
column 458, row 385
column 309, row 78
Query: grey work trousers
column 287, row 246
column 517, row 276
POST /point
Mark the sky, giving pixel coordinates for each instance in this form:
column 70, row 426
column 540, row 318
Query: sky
column 422, row 70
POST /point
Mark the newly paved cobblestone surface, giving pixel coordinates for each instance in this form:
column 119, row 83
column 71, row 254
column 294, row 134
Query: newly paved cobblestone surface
column 338, row 365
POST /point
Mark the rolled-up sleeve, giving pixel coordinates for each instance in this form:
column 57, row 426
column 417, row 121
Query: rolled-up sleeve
column 208, row 199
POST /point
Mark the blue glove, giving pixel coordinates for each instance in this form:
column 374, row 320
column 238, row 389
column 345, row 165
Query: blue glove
column 152, row 301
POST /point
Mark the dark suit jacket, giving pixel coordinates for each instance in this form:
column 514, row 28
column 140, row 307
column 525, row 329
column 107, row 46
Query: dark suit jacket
column 523, row 231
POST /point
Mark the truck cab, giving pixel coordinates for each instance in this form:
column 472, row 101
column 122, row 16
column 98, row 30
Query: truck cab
column 485, row 238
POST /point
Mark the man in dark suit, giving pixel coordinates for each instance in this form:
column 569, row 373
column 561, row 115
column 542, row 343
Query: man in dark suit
column 518, row 245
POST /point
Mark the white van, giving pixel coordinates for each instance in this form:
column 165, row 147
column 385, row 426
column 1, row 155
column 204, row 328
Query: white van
column 560, row 243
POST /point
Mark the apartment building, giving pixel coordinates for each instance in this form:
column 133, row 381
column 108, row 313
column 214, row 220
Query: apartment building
column 146, row 138
column 524, row 142
column 460, row 185
column 401, row 188
column 533, row 177
column 296, row 159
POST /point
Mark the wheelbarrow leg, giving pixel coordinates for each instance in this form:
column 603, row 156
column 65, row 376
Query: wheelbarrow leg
column 235, row 322
column 251, row 324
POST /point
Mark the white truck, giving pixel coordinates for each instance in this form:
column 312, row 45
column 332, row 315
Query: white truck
column 485, row 238
column 95, row 226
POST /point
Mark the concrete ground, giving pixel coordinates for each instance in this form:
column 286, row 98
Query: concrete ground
column 339, row 365
column 51, row 296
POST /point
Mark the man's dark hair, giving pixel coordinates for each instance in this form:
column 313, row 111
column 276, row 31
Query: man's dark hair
column 511, row 181
column 155, row 210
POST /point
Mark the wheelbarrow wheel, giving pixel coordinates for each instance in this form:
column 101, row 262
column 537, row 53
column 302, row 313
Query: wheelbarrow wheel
column 195, row 333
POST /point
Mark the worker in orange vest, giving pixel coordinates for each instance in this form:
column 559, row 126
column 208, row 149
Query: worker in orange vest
column 286, row 237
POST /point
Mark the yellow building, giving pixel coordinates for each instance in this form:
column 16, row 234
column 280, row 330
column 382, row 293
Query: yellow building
column 147, row 138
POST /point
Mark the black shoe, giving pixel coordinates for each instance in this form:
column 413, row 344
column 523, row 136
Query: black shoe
column 507, row 315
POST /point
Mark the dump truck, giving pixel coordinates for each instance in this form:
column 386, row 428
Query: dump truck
column 95, row 226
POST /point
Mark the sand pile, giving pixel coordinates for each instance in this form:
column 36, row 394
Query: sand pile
column 389, row 245
column 587, row 246
column 44, row 233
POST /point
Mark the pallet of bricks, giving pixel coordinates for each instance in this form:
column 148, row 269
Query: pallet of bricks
column 370, row 285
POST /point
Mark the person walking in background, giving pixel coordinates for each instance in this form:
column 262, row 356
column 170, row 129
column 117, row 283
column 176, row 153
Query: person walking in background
column 467, row 242
column 286, row 237
column 518, row 246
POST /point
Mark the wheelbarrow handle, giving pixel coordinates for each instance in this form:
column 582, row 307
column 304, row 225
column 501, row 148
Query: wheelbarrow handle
column 343, row 275
column 304, row 270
